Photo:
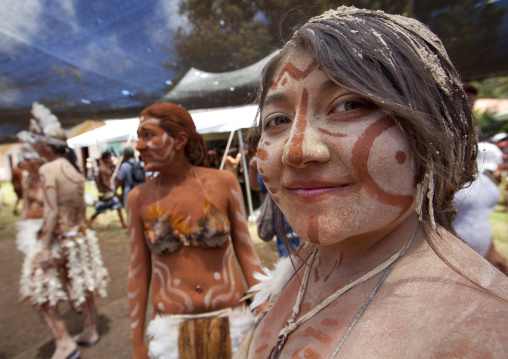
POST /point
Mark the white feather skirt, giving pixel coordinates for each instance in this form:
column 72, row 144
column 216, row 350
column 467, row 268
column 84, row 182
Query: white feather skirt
column 163, row 330
column 78, row 267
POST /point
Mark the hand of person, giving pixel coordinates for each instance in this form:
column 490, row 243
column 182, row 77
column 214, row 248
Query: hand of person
column 45, row 260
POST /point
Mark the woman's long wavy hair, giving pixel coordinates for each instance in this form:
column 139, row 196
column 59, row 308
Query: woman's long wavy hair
column 175, row 119
column 398, row 64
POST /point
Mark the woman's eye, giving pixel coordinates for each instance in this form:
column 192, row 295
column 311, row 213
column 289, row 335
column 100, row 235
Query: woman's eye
column 277, row 121
column 351, row 105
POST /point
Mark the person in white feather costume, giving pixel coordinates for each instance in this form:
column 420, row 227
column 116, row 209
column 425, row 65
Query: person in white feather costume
column 62, row 257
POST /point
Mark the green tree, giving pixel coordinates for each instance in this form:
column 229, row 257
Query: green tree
column 494, row 87
column 230, row 34
column 465, row 26
column 220, row 36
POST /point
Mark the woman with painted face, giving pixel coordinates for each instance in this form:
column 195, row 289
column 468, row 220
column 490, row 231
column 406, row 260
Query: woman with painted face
column 366, row 134
column 183, row 227
column 63, row 261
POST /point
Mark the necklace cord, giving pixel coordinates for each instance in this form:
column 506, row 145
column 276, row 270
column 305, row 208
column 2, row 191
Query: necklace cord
column 292, row 325
column 367, row 302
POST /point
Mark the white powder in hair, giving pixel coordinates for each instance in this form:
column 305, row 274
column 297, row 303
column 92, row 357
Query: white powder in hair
column 430, row 197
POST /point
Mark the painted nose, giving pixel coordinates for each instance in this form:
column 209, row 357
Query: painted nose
column 140, row 145
column 305, row 145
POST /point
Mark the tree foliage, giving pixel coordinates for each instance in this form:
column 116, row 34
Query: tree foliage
column 225, row 35
column 494, row 87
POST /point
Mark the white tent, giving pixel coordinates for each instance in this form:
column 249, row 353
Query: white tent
column 218, row 120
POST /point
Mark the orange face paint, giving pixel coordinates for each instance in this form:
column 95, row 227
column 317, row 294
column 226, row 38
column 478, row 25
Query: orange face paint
column 333, row 156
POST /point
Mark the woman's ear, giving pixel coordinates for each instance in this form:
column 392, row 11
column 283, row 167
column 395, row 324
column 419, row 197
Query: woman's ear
column 181, row 140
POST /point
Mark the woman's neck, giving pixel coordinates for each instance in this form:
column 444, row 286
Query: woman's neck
column 360, row 254
column 177, row 172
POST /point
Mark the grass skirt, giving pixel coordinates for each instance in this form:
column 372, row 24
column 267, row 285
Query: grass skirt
column 163, row 330
column 78, row 267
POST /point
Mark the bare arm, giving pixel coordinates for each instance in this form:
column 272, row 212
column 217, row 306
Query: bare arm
column 138, row 281
column 242, row 242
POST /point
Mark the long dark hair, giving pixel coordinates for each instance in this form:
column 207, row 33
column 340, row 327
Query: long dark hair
column 67, row 153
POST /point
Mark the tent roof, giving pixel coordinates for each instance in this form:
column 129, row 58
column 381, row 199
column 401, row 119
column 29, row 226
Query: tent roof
column 206, row 121
column 200, row 89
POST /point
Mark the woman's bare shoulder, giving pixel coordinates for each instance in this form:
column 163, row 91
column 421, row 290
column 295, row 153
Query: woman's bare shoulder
column 138, row 193
column 454, row 309
column 454, row 263
column 215, row 176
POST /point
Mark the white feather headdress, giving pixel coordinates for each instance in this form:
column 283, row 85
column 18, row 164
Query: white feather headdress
column 46, row 126
column 27, row 141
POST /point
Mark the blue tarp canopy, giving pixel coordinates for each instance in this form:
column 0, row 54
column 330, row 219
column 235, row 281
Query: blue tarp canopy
column 100, row 59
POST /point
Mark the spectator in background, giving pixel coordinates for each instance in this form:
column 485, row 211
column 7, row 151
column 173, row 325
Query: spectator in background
column 16, row 180
column 108, row 198
column 233, row 161
column 476, row 200
column 213, row 159
column 131, row 173
column 501, row 141
column 63, row 260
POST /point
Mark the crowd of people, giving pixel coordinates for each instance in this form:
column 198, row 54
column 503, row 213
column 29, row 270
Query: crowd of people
column 366, row 149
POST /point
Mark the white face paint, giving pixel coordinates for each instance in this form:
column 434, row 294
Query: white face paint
column 155, row 146
column 336, row 165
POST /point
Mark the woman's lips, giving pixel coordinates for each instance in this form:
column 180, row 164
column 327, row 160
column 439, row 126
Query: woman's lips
column 317, row 189
column 315, row 193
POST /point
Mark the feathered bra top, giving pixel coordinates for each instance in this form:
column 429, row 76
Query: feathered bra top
column 166, row 232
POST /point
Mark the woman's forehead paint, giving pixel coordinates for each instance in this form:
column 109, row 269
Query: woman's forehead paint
column 150, row 121
column 293, row 72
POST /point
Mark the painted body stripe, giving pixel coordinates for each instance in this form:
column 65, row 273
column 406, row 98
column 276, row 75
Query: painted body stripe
column 135, row 271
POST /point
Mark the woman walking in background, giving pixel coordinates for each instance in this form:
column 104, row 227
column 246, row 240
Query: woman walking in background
column 64, row 262
column 184, row 226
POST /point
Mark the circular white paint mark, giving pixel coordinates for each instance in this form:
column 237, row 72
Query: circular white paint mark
column 176, row 281
column 217, row 275
column 160, row 306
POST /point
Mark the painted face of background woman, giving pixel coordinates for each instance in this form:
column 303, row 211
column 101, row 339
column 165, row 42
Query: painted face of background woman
column 155, row 146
